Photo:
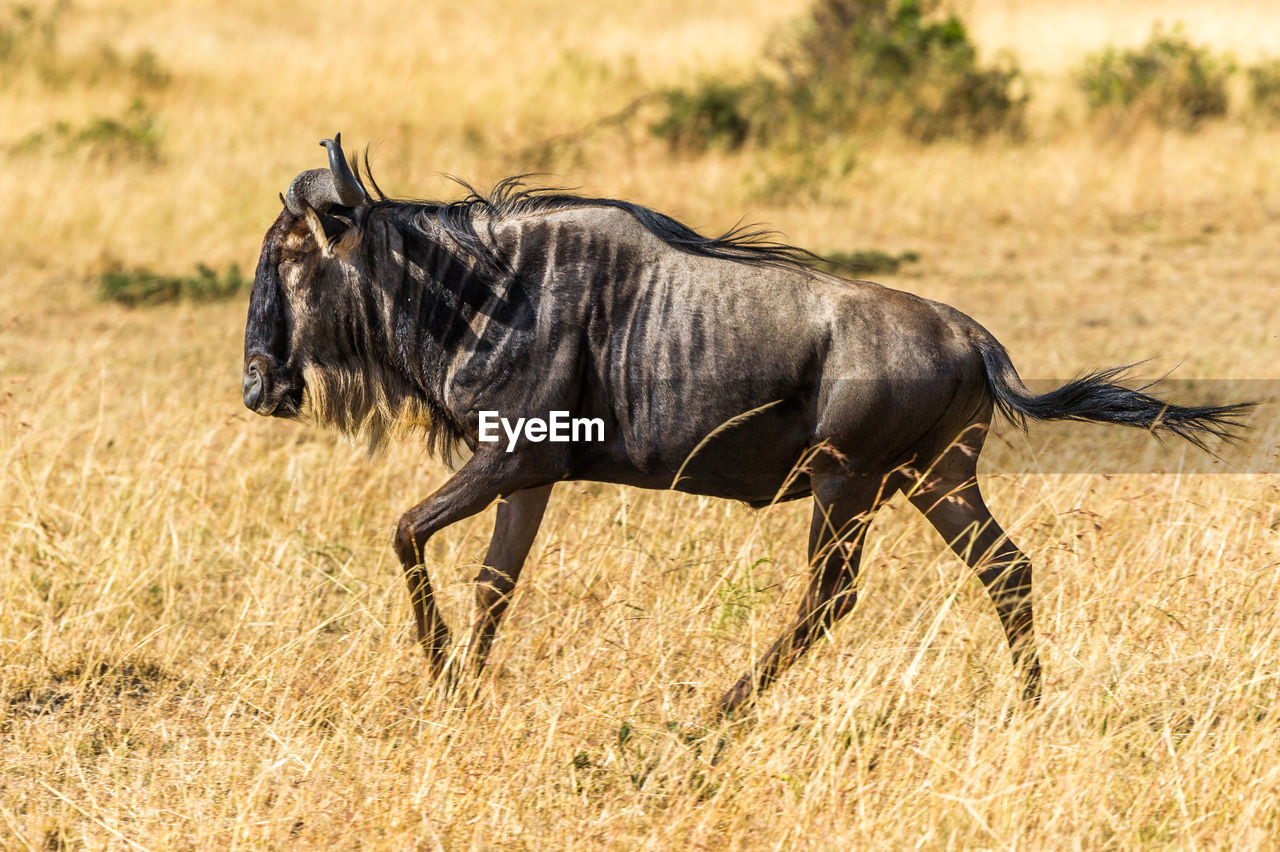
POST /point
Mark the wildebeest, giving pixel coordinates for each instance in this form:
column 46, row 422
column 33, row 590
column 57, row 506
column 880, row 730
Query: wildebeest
column 722, row 366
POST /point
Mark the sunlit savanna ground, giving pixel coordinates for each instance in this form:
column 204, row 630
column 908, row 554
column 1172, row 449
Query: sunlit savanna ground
column 204, row 638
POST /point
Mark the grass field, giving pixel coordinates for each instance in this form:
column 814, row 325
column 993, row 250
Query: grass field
column 204, row 637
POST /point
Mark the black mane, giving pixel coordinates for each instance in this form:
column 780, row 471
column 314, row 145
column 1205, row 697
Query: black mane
column 512, row 197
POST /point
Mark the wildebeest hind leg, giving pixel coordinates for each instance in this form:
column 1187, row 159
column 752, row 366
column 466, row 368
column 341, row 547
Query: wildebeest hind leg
column 842, row 510
column 484, row 478
column 954, row 505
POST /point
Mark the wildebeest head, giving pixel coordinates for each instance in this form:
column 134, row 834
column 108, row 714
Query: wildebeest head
column 308, row 322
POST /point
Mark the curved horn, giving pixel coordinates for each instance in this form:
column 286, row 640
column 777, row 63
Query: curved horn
column 313, row 188
column 349, row 188
column 322, row 189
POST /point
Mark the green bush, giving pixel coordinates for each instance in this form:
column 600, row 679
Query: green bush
column 710, row 115
column 1169, row 79
column 137, row 287
column 30, row 47
column 28, row 37
column 29, row 40
column 853, row 65
column 134, row 135
column 1264, row 88
column 865, row 262
column 861, row 62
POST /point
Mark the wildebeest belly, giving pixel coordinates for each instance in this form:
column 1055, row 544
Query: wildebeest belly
column 756, row 465
column 719, row 426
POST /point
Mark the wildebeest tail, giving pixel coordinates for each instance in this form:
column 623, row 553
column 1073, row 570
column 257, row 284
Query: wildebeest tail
column 1099, row 397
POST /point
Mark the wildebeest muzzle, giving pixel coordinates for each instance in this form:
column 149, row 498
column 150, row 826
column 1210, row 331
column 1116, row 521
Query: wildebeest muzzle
column 267, row 390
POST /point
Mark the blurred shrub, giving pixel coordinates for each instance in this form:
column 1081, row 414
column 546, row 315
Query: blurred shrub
column 139, row 287
column 1264, row 88
column 856, row 62
column 851, row 66
column 1168, row 79
column 26, row 36
column 134, row 135
column 865, row 262
column 713, row 114
column 29, row 40
column 142, row 68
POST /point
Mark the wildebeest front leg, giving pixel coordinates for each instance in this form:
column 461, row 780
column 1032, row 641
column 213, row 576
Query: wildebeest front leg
column 483, row 479
column 842, row 510
column 519, row 517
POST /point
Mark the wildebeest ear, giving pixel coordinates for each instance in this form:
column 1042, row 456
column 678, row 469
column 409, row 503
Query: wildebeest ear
column 316, row 227
column 346, row 242
column 335, row 235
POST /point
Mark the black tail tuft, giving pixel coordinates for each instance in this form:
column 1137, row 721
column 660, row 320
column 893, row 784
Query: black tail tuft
column 1098, row 397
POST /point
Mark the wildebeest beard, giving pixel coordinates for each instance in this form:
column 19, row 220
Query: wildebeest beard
column 371, row 405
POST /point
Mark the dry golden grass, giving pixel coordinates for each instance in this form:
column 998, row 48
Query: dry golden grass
column 204, row 639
